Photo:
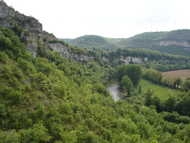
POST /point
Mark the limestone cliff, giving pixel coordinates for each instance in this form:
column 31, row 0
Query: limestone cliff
column 29, row 29
column 175, row 43
column 11, row 18
column 31, row 32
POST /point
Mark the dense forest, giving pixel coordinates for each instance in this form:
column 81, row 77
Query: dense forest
column 47, row 97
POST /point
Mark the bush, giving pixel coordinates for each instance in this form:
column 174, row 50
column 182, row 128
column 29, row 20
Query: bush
column 37, row 134
column 186, row 85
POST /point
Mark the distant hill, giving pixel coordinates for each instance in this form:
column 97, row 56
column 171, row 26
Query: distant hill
column 93, row 41
column 173, row 42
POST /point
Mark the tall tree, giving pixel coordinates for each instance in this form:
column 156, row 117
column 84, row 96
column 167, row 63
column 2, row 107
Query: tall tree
column 134, row 72
column 126, row 84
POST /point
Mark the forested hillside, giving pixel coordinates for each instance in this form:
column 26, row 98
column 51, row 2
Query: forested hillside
column 173, row 42
column 148, row 59
column 92, row 42
column 51, row 92
column 52, row 99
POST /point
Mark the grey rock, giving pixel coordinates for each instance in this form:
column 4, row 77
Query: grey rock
column 10, row 18
column 67, row 53
column 33, row 35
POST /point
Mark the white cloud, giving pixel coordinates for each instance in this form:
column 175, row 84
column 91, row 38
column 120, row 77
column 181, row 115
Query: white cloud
column 112, row 18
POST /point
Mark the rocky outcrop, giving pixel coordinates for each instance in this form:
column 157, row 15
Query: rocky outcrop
column 133, row 60
column 30, row 29
column 11, row 18
column 174, row 43
column 60, row 48
column 68, row 53
column 31, row 33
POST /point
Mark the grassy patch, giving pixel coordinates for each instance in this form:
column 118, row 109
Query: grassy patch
column 160, row 91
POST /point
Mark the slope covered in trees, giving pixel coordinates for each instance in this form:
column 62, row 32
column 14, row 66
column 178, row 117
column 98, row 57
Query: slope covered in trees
column 172, row 42
column 148, row 58
column 92, row 42
column 53, row 99
column 48, row 98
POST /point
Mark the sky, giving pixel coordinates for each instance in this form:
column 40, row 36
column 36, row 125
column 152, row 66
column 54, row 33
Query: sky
column 108, row 18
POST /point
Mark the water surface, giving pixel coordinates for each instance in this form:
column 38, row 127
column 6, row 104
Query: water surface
column 114, row 91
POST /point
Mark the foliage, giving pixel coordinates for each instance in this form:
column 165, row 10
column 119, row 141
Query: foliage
column 55, row 100
column 153, row 76
column 126, row 84
column 170, row 105
column 187, row 85
column 163, row 92
column 134, row 72
column 10, row 43
column 147, row 40
column 151, row 59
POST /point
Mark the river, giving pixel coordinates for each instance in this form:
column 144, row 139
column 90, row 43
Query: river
column 114, row 91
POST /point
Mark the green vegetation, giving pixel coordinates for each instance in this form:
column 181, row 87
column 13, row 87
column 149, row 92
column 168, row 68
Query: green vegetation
column 51, row 99
column 153, row 76
column 126, row 85
column 151, row 59
column 128, row 77
column 186, row 84
column 174, row 83
column 160, row 91
column 171, row 105
column 134, row 72
column 152, row 40
column 147, row 40
column 92, row 42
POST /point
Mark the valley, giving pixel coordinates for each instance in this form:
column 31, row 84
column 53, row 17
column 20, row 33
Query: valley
column 92, row 91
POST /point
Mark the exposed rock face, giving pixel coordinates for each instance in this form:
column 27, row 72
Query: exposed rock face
column 174, row 43
column 32, row 34
column 134, row 60
column 67, row 52
column 31, row 31
column 60, row 48
column 11, row 18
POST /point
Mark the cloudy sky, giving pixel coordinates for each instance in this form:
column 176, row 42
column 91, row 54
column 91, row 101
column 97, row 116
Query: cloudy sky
column 109, row 18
